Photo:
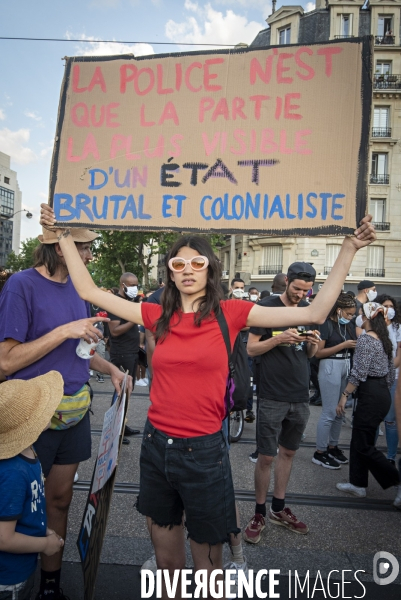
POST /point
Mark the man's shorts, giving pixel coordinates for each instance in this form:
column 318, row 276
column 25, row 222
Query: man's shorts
column 280, row 423
column 66, row 447
column 20, row 591
column 191, row 475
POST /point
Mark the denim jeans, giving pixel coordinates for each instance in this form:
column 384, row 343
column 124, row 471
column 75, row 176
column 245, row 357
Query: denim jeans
column 333, row 375
column 20, row 591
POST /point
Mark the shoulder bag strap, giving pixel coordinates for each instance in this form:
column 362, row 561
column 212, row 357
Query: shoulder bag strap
column 224, row 330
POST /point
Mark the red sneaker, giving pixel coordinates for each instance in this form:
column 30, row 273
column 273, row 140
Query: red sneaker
column 254, row 529
column 287, row 519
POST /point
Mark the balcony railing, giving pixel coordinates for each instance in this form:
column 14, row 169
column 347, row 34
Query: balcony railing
column 382, row 226
column 343, row 37
column 327, row 270
column 270, row 269
column 380, row 179
column 387, row 40
column 375, row 272
column 388, row 81
column 381, row 132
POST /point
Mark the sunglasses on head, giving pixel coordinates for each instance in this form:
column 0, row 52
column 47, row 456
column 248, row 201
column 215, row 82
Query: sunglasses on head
column 198, row 263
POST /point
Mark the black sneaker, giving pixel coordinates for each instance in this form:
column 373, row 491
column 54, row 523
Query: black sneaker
column 254, row 456
column 322, row 458
column 338, row 455
column 99, row 378
column 61, row 596
column 250, row 416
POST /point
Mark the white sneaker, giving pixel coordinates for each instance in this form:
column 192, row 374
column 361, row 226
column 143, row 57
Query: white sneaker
column 150, row 564
column 90, row 373
column 145, row 381
column 381, row 432
column 76, row 477
column 348, row 488
column 140, row 383
column 234, row 578
column 397, row 501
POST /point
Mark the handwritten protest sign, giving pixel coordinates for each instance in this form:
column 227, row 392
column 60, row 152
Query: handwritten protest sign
column 270, row 140
column 94, row 522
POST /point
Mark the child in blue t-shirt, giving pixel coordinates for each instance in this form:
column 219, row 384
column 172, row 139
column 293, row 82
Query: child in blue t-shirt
column 26, row 408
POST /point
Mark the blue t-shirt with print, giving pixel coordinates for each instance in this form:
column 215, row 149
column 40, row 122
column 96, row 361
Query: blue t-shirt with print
column 22, row 499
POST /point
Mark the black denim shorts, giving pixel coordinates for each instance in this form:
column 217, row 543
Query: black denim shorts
column 191, row 475
column 64, row 447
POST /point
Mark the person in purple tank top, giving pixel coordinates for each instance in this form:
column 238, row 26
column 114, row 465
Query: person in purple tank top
column 42, row 319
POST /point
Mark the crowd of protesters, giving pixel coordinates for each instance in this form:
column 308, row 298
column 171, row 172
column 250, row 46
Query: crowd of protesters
column 185, row 471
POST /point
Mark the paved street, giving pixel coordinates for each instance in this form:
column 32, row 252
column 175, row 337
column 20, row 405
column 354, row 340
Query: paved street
column 345, row 533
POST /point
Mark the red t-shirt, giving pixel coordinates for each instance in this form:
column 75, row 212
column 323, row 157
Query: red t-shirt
column 190, row 369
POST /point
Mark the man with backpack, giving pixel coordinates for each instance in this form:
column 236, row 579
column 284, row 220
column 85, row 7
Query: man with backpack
column 283, row 409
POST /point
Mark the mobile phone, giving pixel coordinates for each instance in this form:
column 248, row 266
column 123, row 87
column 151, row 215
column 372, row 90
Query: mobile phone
column 305, row 333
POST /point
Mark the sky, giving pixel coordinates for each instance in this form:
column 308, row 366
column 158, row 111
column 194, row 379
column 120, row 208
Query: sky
column 32, row 71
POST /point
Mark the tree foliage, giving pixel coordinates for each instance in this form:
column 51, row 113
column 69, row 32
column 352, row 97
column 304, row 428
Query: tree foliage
column 23, row 260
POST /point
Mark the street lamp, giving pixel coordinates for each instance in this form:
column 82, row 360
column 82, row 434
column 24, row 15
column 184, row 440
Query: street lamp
column 29, row 215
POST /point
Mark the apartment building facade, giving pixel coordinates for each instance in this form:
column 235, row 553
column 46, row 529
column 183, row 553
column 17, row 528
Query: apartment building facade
column 10, row 204
column 258, row 258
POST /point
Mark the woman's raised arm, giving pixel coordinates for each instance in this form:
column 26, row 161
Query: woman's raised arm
column 317, row 312
column 83, row 282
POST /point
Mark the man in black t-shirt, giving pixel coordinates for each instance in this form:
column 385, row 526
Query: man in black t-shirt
column 124, row 335
column 283, row 410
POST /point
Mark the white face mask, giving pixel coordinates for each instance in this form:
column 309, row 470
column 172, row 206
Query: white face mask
column 371, row 294
column 253, row 297
column 131, row 291
column 390, row 313
column 238, row 293
column 359, row 321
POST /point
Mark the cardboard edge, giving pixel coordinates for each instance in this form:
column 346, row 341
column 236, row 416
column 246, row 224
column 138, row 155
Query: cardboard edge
column 305, row 231
column 59, row 127
column 366, row 100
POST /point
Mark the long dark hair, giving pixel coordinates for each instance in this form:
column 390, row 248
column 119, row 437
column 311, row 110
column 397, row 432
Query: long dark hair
column 170, row 299
column 378, row 325
column 344, row 300
column 397, row 318
column 45, row 255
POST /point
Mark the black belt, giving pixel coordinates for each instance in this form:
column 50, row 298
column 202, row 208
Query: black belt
column 339, row 356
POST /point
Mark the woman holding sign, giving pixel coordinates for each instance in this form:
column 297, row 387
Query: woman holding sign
column 184, row 457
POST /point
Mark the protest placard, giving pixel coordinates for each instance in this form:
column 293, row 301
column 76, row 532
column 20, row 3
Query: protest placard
column 271, row 140
column 94, row 522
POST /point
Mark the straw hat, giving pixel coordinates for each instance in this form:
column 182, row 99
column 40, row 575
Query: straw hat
column 26, row 407
column 78, row 235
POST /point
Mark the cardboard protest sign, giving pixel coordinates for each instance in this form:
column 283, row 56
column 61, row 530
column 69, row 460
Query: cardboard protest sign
column 94, row 522
column 271, row 140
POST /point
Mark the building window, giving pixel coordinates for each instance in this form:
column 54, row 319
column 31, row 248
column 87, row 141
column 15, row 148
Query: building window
column 7, row 180
column 332, row 251
column 272, row 259
column 345, row 26
column 385, row 33
column 6, row 202
column 383, row 67
column 381, row 122
column 377, row 208
column 284, row 35
column 379, row 171
column 375, row 262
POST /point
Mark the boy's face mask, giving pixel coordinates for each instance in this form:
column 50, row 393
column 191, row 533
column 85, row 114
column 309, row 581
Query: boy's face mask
column 238, row 293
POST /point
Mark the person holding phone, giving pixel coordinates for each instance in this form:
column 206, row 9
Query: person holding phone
column 335, row 352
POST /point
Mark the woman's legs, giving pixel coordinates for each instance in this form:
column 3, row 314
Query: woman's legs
column 169, row 545
column 391, row 428
column 331, row 380
column 373, row 404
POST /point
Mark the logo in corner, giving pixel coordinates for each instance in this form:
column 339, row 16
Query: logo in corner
column 385, row 568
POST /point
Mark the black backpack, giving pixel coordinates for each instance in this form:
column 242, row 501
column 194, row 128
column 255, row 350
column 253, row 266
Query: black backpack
column 238, row 366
